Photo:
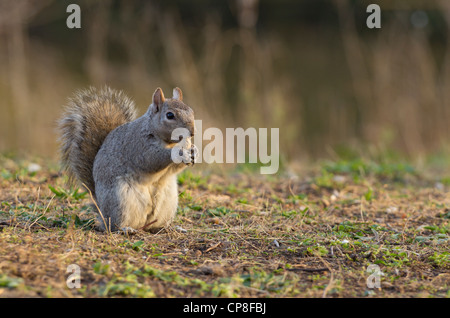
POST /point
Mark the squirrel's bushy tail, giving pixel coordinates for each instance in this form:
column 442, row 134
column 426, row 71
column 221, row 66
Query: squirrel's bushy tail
column 90, row 116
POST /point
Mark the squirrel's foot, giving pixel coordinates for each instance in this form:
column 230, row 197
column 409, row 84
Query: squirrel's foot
column 127, row 230
column 180, row 229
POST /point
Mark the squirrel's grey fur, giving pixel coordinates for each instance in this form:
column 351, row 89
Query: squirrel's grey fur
column 126, row 162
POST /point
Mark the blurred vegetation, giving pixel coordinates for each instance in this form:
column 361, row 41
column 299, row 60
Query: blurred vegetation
column 311, row 68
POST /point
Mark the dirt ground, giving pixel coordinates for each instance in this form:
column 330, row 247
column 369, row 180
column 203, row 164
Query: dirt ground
column 341, row 229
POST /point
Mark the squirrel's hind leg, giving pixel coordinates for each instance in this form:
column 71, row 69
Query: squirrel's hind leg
column 122, row 206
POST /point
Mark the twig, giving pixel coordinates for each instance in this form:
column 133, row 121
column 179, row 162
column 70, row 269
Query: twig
column 22, row 226
column 147, row 225
column 324, row 294
column 310, row 270
column 46, row 209
column 213, row 247
column 107, row 228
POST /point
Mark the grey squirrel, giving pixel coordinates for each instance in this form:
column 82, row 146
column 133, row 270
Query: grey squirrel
column 124, row 161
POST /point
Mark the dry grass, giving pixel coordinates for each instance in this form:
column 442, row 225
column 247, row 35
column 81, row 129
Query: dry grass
column 235, row 235
column 325, row 84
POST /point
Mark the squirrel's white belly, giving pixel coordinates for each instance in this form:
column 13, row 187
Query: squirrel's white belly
column 165, row 202
column 151, row 201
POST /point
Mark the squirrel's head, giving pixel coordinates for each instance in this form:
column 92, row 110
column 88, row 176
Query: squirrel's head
column 170, row 114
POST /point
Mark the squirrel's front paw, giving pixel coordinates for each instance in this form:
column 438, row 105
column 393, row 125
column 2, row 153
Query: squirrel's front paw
column 187, row 156
column 190, row 155
column 194, row 155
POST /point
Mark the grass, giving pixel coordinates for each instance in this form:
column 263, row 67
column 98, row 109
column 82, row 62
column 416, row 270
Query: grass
column 235, row 235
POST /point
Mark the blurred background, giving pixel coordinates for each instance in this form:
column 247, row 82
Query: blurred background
column 311, row 68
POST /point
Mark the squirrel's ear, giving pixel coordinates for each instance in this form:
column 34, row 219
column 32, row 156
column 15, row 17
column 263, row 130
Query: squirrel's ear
column 158, row 99
column 177, row 94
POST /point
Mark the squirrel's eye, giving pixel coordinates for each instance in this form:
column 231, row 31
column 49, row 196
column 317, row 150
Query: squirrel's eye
column 170, row 115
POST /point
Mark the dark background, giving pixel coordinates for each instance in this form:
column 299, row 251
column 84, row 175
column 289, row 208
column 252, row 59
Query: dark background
column 311, row 68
